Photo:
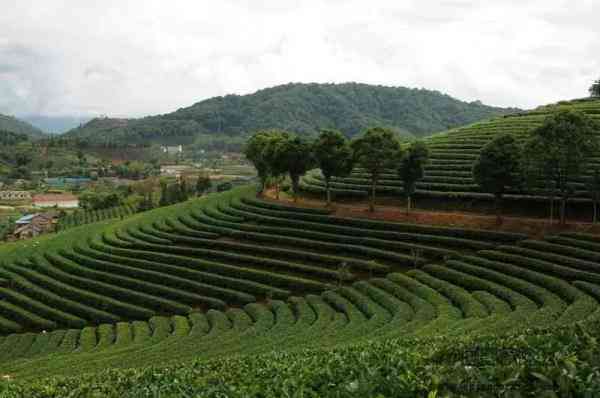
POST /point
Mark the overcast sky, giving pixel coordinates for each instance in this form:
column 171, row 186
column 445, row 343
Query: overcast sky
column 133, row 58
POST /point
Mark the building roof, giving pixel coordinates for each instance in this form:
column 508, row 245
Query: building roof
column 63, row 197
column 29, row 217
column 26, row 227
column 25, row 219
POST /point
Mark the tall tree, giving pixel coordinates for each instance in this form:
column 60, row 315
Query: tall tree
column 559, row 150
column 498, row 168
column 164, row 194
column 276, row 158
column 203, row 184
column 377, row 150
column 333, row 156
column 412, row 169
column 183, row 190
column 296, row 158
column 595, row 89
column 255, row 153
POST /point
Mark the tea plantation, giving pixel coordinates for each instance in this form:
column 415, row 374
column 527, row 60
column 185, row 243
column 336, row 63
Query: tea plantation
column 449, row 172
column 230, row 295
column 80, row 217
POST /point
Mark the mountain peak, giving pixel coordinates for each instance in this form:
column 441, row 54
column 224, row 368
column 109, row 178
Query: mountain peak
column 303, row 108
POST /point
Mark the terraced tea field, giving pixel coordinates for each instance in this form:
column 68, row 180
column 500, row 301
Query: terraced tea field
column 452, row 153
column 221, row 279
column 80, row 217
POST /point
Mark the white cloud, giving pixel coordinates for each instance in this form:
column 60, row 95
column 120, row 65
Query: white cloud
column 150, row 56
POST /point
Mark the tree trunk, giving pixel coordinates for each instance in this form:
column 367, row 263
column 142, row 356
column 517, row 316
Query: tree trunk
column 262, row 185
column 498, row 208
column 595, row 216
column 552, row 209
column 295, row 181
column 328, row 189
column 372, row 201
column 277, row 190
column 563, row 211
column 408, row 204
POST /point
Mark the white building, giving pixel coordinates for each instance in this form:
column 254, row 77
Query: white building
column 172, row 150
column 63, row 201
column 15, row 195
column 174, row 170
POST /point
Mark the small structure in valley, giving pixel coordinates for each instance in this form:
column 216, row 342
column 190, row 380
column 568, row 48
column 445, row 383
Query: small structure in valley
column 63, row 201
column 172, row 150
column 174, row 170
column 15, row 195
column 33, row 225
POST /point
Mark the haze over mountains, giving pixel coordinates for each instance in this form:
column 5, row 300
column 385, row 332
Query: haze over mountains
column 14, row 125
column 38, row 125
column 298, row 107
column 56, row 124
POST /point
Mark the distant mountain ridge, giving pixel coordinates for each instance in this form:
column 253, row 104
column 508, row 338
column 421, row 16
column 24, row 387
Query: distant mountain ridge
column 14, row 125
column 298, row 107
column 56, row 124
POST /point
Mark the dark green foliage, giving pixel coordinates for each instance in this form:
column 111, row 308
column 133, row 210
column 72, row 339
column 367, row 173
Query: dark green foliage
column 559, row 150
column 498, row 168
column 147, row 202
column 333, row 156
column 91, row 200
column 184, row 191
column 224, row 186
column 412, row 169
column 164, row 194
column 203, row 184
column 296, row 157
column 255, row 153
column 595, row 89
column 275, row 158
column 175, row 192
column 377, row 150
column 448, row 175
column 299, row 108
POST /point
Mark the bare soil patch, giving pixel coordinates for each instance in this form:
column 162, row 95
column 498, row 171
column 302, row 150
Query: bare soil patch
column 534, row 227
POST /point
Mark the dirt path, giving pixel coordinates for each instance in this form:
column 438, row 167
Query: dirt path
column 535, row 227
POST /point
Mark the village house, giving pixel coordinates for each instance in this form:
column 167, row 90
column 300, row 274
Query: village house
column 172, row 150
column 63, row 201
column 33, row 225
column 174, row 170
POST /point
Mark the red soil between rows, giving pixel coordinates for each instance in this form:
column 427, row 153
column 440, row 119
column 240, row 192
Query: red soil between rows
column 534, row 227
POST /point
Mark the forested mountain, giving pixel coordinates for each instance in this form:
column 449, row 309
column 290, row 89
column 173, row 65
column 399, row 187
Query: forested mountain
column 302, row 108
column 14, row 125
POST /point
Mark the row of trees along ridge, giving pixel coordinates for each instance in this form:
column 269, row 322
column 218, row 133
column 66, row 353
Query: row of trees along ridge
column 276, row 153
column 550, row 160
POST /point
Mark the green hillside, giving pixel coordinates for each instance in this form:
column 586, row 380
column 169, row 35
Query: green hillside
column 238, row 294
column 301, row 108
column 14, row 125
column 449, row 172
